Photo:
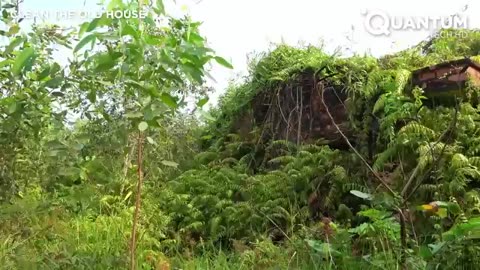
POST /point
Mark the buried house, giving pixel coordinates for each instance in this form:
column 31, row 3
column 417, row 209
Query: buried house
column 283, row 98
column 297, row 112
column 443, row 81
column 294, row 111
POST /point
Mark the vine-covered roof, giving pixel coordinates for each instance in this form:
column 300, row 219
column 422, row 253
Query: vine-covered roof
column 362, row 76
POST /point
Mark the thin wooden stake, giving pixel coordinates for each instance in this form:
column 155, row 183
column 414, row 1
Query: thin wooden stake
column 138, row 197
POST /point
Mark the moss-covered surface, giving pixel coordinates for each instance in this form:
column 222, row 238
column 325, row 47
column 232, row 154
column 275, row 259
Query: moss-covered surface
column 363, row 78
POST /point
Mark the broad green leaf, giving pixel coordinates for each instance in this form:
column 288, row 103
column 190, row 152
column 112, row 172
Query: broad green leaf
column 160, row 7
column 106, row 115
column 12, row 107
column 165, row 56
column 54, row 69
column 469, row 230
column 5, row 62
column 55, row 144
column 148, row 114
column 207, row 137
column 425, row 252
column 13, row 44
column 194, row 72
column 168, row 100
column 22, row 59
column 207, row 116
column 135, row 84
column 106, row 61
column 196, row 38
column 54, row 82
column 65, row 43
column 83, row 29
column 142, row 126
column 202, row 102
column 92, row 95
column 170, row 163
column 323, row 248
column 44, row 74
column 84, row 175
column 151, row 141
column 104, row 20
column 127, row 196
column 361, row 194
column 29, row 64
column 88, row 39
column 223, row 62
column 104, row 67
column 128, row 30
column 149, row 21
column 169, row 75
column 13, row 30
column 93, row 24
column 442, row 213
column 436, row 247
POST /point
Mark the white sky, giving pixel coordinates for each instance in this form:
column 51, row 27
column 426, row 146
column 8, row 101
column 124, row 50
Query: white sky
column 235, row 28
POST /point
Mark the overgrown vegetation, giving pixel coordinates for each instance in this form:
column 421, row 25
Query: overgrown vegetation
column 104, row 144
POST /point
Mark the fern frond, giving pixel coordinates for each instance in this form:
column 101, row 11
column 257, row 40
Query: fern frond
column 415, row 130
column 429, row 190
column 354, row 186
column 312, row 148
column 282, row 160
column 380, row 103
column 473, row 146
column 338, row 173
column 304, row 154
column 401, row 80
column 474, row 161
column 473, row 201
column 284, row 143
column 206, row 157
column 385, row 156
column 233, row 137
column 459, row 161
column 229, row 160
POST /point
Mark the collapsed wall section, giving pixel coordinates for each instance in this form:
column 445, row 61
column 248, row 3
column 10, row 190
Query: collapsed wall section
column 294, row 111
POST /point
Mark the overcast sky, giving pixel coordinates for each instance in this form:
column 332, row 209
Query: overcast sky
column 235, row 28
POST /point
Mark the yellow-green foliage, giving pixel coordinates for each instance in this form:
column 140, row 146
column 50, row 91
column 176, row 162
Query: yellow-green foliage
column 223, row 202
column 39, row 232
column 251, row 204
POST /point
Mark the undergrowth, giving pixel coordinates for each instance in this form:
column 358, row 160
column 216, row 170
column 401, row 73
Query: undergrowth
column 215, row 199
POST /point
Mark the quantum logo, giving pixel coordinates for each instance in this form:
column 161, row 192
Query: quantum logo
column 380, row 23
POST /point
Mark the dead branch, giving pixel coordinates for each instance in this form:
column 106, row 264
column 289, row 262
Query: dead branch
column 347, row 141
column 435, row 160
column 300, row 109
